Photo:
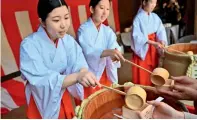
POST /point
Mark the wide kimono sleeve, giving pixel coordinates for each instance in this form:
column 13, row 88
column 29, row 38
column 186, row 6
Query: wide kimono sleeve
column 76, row 63
column 92, row 54
column 139, row 39
column 112, row 40
column 83, row 38
column 111, row 67
column 45, row 84
column 161, row 32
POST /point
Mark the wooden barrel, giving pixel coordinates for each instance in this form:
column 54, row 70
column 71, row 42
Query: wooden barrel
column 105, row 103
column 176, row 63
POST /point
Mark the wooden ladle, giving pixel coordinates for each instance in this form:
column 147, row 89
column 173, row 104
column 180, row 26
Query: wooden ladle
column 135, row 98
column 167, row 48
column 159, row 76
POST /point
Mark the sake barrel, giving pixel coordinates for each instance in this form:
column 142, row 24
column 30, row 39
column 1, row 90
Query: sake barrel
column 104, row 103
column 176, row 63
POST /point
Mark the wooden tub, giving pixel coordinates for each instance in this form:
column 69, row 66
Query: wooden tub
column 177, row 64
column 105, row 103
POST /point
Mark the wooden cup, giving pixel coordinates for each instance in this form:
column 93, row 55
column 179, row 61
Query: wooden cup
column 160, row 76
column 135, row 98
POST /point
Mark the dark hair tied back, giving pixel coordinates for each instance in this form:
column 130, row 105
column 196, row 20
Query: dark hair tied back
column 46, row 6
column 94, row 3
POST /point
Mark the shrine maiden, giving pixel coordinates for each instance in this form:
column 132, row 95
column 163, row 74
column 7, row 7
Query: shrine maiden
column 148, row 35
column 53, row 64
column 99, row 45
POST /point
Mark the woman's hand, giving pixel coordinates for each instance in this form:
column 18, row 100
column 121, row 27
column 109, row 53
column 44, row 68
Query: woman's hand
column 114, row 54
column 160, row 46
column 84, row 77
column 87, row 79
column 185, row 88
column 157, row 45
column 164, row 111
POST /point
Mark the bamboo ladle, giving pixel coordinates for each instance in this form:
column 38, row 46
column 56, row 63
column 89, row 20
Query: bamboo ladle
column 123, row 93
column 115, row 90
column 159, row 76
column 135, row 97
column 189, row 53
column 166, row 48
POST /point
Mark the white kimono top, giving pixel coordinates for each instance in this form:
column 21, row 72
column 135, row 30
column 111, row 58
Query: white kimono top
column 45, row 67
column 93, row 43
column 143, row 25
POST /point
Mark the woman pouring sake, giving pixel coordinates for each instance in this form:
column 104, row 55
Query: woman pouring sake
column 98, row 43
column 53, row 64
column 148, row 34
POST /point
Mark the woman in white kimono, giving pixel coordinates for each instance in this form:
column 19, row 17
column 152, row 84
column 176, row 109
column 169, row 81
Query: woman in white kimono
column 53, row 64
column 148, row 36
column 99, row 45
